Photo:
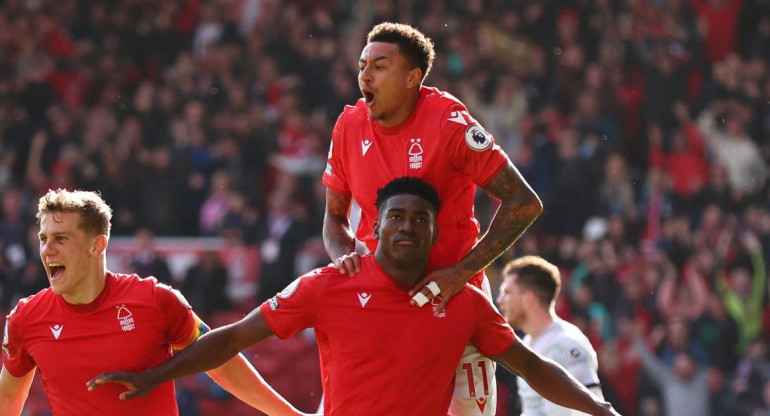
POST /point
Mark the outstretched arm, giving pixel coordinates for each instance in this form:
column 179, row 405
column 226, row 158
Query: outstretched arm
column 238, row 377
column 519, row 208
column 14, row 391
column 339, row 239
column 209, row 351
column 552, row 381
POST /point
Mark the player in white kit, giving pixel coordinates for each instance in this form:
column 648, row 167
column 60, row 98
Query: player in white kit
column 527, row 300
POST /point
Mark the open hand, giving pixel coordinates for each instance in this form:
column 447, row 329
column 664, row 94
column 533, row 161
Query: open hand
column 134, row 382
column 349, row 264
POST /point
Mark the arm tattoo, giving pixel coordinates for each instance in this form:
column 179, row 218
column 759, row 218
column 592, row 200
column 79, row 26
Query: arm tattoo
column 337, row 233
column 519, row 208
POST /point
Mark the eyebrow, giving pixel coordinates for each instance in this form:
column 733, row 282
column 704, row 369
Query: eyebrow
column 419, row 212
column 379, row 58
column 54, row 233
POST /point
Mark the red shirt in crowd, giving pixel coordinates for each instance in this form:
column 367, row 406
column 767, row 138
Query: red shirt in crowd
column 688, row 167
column 439, row 143
column 132, row 325
column 380, row 355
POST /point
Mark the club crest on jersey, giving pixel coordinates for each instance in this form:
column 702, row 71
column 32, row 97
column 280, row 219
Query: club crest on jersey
column 477, row 139
column 435, row 302
column 125, row 318
column 415, row 154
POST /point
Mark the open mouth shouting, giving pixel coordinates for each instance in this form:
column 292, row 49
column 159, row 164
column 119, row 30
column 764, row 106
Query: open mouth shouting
column 369, row 97
column 55, row 271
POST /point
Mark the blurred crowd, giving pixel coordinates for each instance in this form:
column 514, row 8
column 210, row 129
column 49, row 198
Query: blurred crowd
column 644, row 125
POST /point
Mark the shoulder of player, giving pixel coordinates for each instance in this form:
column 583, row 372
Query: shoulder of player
column 29, row 304
column 439, row 102
column 473, row 294
column 353, row 113
column 142, row 289
column 123, row 281
column 568, row 330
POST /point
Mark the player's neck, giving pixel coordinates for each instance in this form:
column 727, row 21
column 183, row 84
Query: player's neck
column 537, row 322
column 89, row 289
column 407, row 273
column 404, row 111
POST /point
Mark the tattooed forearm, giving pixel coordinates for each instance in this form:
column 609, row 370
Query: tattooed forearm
column 337, row 233
column 519, row 208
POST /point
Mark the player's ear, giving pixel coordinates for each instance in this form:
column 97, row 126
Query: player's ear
column 435, row 234
column 529, row 298
column 98, row 245
column 376, row 230
column 414, row 78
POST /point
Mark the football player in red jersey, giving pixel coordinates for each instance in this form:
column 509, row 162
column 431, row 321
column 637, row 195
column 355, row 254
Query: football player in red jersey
column 382, row 356
column 91, row 319
column 401, row 127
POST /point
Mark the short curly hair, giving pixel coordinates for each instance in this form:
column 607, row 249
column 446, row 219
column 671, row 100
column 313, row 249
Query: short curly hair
column 414, row 45
column 407, row 185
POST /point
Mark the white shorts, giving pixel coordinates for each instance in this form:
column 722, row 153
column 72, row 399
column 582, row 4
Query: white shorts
column 475, row 391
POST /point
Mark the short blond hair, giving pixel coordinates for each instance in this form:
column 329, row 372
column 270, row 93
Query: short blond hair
column 536, row 274
column 96, row 215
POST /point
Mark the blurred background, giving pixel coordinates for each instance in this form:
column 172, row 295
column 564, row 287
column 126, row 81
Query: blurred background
column 644, row 125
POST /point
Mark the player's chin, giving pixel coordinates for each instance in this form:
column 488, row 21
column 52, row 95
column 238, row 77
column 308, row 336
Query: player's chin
column 374, row 115
column 409, row 252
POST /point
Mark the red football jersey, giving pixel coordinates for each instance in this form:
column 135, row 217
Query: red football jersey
column 439, row 143
column 380, row 355
column 132, row 325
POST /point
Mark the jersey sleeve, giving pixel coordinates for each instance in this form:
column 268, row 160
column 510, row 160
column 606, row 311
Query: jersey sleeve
column 470, row 148
column 16, row 359
column 492, row 335
column 182, row 325
column 335, row 177
column 295, row 307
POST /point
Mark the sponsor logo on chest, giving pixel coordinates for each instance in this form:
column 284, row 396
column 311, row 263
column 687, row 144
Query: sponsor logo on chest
column 125, row 318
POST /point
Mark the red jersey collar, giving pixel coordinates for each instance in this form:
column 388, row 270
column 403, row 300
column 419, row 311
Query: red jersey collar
column 402, row 286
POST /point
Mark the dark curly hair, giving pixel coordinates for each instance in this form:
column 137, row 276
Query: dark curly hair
column 413, row 44
column 407, row 185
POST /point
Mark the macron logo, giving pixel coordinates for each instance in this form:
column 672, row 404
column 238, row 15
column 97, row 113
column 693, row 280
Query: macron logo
column 56, row 330
column 457, row 117
column 364, row 298
column 365, row 145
